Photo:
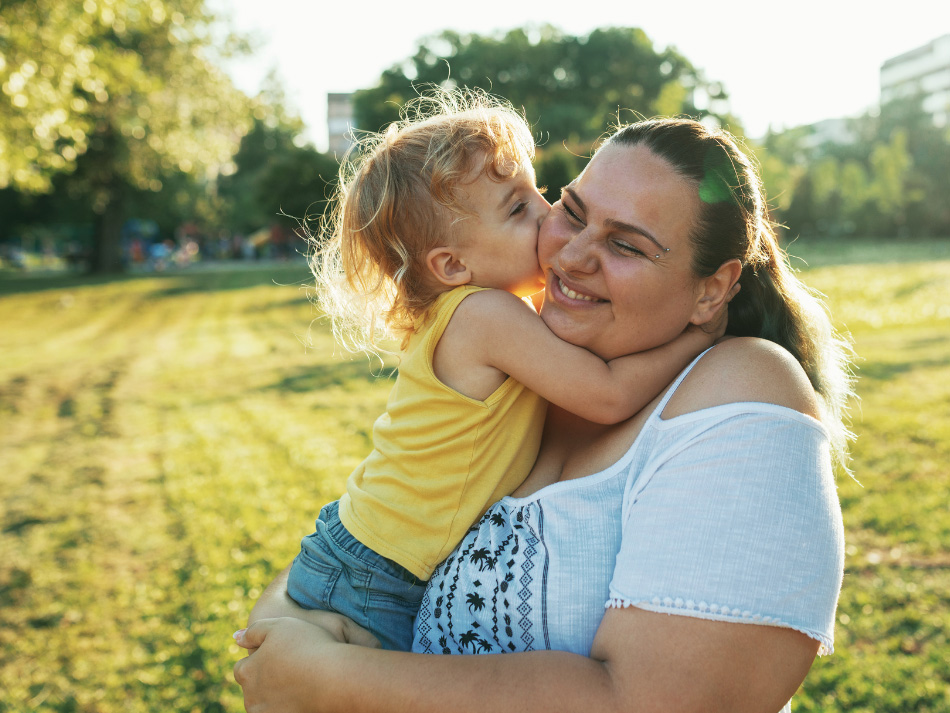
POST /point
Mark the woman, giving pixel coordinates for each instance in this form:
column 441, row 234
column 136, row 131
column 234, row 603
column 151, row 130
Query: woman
column 716, row 504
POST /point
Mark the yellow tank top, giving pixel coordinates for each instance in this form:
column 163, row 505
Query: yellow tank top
column 439, row 458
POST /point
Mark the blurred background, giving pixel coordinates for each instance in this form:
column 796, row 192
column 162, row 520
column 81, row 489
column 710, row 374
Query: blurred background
column 142, row 134
column 173, row 413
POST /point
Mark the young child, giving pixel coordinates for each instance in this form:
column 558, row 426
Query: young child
column 434, row 240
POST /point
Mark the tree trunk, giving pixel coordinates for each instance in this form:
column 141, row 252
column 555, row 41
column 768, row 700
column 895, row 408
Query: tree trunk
column 107, row 246
column 109, row 197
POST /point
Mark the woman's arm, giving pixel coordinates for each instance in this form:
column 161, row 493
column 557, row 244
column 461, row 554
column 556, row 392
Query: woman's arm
column 641, row 662
column 275, row 602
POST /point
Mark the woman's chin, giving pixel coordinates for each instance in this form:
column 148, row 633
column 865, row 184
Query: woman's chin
column 570, row 320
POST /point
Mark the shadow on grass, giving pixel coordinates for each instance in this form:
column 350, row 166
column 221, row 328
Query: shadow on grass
column 811, row 253
column 344, row 374
column 278, row 305
column 203, row 277
column 885, row 371
column 910, row 290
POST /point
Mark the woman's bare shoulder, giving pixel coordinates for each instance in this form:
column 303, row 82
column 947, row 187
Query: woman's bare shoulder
column 745, row 369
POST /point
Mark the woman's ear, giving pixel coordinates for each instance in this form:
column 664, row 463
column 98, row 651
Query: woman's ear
column 447, row 267
column 717, row 290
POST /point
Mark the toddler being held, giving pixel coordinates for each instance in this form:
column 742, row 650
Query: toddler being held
column 433, row 240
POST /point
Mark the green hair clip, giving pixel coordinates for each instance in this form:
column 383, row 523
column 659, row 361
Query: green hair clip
column 714, row 188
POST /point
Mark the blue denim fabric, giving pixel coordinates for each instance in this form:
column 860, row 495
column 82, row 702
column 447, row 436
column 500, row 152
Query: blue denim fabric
column 336, row 572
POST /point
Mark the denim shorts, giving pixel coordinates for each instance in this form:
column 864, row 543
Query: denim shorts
column 336, row 572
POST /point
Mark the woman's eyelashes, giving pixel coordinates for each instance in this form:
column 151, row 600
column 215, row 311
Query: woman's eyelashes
column 625, row 248
column 574, row 217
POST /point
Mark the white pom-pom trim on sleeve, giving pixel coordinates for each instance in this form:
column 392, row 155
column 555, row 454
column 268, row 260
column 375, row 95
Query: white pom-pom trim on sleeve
column 717, row 612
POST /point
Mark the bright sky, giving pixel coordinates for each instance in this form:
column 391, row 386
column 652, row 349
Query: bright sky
column 784, row 63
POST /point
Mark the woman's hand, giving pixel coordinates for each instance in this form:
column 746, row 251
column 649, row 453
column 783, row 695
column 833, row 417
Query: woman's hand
column 279, row 673
column 340, row 628
column 285, row 643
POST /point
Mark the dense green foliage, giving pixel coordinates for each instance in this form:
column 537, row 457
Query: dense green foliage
column 890, row 178
column 276, row 177
column 167, row 440
column 120, row 95
column 572, row 89
column 117, row 109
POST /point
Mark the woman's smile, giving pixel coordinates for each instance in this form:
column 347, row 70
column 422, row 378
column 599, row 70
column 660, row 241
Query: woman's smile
column 571, row 293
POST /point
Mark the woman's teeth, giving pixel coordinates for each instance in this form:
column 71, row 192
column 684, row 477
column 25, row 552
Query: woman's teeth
column 565, row 290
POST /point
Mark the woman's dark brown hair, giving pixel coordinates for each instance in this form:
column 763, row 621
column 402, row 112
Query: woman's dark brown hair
column 773, row 303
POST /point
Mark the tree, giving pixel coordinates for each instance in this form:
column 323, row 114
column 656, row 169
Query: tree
column 890, row 169
column 572, row 89
column 890, row 180
column 278, row 178
column 904, row 123
column 126, row 90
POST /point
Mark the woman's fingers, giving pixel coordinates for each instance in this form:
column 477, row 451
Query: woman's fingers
column 253, row 636
column 341, row 628
column 279, row 674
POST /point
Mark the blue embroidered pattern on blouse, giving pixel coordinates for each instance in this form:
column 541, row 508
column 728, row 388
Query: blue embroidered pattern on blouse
column 468, row 607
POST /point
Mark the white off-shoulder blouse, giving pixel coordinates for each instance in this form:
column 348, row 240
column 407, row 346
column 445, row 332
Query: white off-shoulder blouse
column 729, row 513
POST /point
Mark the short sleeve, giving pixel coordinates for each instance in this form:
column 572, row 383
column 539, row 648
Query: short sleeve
column 737, row 520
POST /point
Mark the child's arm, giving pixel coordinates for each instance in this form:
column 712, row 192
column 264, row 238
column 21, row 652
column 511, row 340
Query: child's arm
column 496, row 329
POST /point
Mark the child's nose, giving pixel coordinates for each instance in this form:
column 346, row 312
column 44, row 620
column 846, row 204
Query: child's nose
column 543, row 208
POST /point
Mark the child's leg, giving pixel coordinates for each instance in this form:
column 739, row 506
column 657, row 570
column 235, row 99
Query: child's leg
column 336, row 572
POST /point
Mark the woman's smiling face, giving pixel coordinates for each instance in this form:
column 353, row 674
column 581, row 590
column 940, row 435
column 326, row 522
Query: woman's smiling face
column 616, row 254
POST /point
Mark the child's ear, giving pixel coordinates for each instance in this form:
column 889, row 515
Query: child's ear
column 717, row 289
column 447, row 267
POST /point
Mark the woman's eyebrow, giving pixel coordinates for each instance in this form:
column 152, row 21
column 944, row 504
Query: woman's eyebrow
column 575, row 197
column 613, row 224
column 628, row 228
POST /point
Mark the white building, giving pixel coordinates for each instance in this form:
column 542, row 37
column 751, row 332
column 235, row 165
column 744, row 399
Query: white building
column 339, row 123
column 924, row 71
column 829, row 131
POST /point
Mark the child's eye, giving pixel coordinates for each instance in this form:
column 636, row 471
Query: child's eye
column 520, row 208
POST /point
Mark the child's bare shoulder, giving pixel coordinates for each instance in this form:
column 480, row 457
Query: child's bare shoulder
column 490, row 304
column 474, row 331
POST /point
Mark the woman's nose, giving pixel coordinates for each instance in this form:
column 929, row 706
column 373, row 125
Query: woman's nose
column 576, row 255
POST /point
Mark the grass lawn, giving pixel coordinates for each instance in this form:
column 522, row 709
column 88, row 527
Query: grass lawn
column 167, row 439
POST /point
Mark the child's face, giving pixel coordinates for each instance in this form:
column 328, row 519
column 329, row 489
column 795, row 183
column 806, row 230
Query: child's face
column 499, row 243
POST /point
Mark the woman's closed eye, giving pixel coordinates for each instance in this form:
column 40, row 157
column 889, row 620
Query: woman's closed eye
column 519, row 208
column 574, row 217
column 625, row 248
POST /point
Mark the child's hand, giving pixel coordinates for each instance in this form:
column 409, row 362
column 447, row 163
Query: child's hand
column 701, row 337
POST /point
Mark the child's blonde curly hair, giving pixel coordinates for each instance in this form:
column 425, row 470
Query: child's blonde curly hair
column 397, row 198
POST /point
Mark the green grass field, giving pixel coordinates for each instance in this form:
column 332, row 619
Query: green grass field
column 167, row 439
